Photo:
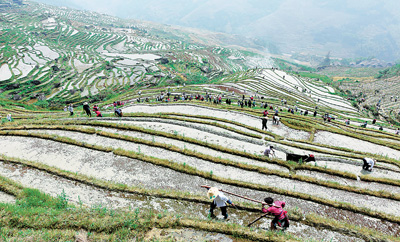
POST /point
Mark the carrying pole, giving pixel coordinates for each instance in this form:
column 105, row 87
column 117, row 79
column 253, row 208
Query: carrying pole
column 237, row 195
column 255, row 220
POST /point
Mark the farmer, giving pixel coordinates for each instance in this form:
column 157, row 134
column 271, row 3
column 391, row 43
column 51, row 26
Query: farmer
column 218, row 200
column 98, row 114
column 118, row 112
column 86, row 108
column 269, row 151
column 276, row 208
column 364, row 125
column 71, row 109
column 397, row 131
column 9, row 118
column 95, row 108
column 264, row 121
column 275, row 119
column 368, row 164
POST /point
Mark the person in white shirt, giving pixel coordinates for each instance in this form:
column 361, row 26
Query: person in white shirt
column 218, row 200
column 269, row 151
column 368, row 164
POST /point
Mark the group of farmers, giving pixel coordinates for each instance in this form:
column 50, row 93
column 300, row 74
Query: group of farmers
column 96, row 109
column 276, row 208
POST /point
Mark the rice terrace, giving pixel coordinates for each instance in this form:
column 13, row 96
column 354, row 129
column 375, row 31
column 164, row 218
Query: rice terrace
column 126, row 130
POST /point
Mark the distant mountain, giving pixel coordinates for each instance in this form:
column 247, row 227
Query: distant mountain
column 347, row 28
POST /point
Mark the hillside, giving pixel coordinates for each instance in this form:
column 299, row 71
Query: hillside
column 346, row 28
column 62, row 55
column 70, row 176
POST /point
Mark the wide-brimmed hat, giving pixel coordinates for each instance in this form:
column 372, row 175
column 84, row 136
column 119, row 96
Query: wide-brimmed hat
column 212, row 193
column 85, row 103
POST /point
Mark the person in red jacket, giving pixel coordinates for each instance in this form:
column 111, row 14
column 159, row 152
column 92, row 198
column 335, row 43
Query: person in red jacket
column 276, row 208
column 98, row 114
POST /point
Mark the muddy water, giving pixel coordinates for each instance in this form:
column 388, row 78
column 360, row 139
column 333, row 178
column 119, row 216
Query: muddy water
column 383, row 205
column 134, row 172
column 193, row 147
column 231, row 115
column 221, row 122
column 349, row 182
column 87, row 196
column 213, row 138
column 355, row 144
column 357, row 169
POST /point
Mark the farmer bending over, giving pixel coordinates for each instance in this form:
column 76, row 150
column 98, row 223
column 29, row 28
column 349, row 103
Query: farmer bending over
column 218, row 200
column 118, row 112
column 368, row 164
column 276, row 208
column 269, row 151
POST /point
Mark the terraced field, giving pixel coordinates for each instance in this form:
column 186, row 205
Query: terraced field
column 157, row 156
column 139, row 177
column 52, row 55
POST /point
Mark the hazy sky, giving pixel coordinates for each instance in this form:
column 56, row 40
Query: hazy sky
column 346, row 28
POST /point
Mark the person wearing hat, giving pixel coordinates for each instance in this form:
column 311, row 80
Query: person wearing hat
column 86, row 108
column 218, row 200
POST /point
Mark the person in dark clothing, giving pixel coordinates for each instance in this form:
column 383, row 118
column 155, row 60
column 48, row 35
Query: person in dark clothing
column 86, row 108
column 118, row 112
column 264, row 120
column 315, row 113
column 374, row 121
column 368, row 164
column 71, row 110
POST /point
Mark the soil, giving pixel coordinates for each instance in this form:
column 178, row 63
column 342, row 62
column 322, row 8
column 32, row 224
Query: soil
column 134, row 172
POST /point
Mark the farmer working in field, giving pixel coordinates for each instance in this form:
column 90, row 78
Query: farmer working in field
column 118, row 112
column 368, row 164
column 269, row 151
column 218, row 200
column 276, row 208
column 264, row 121
column 86, row 108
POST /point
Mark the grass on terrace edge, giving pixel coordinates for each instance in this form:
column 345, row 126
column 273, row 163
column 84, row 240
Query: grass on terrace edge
column 243, row 166
column 183, row 168
column 310, row 219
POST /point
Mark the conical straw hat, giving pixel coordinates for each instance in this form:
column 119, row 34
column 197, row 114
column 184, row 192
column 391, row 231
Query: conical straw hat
column 212, row 193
